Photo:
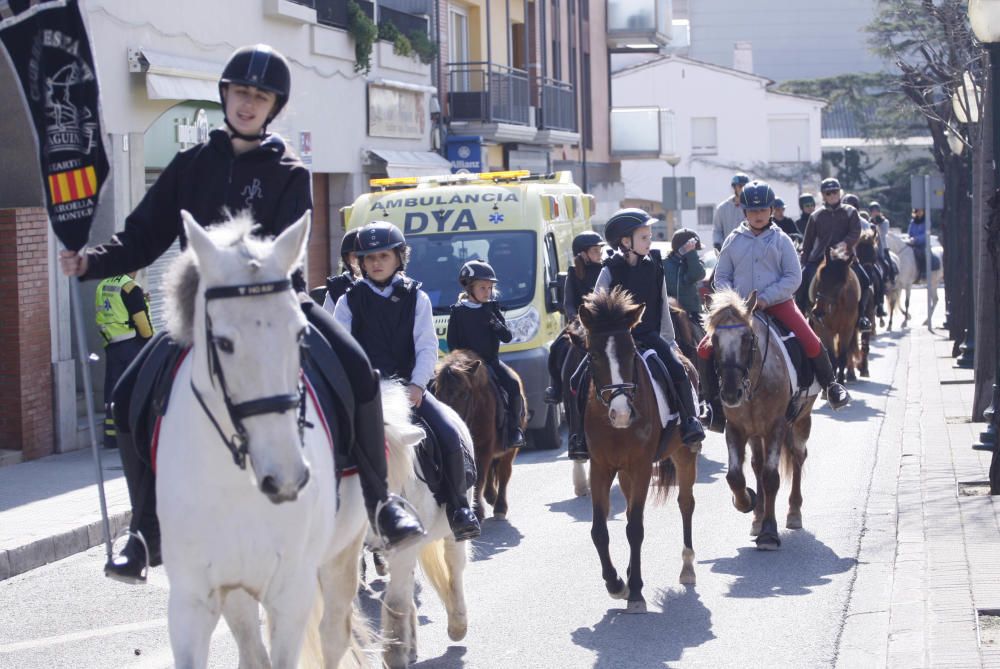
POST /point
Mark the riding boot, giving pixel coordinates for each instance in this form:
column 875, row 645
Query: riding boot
column 515, row 414
column 577, row 449
column 692, row 431
column 388, row 514
column 714, row 417
column 130, row 565
column 836, row 394
column 864, row 323
column 463, row 521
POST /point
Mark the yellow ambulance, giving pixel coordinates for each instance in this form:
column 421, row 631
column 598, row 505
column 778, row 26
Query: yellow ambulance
column 523, row 224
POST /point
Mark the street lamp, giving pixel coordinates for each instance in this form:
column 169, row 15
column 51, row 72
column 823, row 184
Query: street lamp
column 674, row 160
column 984, row 17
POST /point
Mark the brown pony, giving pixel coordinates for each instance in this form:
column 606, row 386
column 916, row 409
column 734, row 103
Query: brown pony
column 835, row 293
column 623, row 427
column 867, row 252
column 461, row 381
column 755, row 390
column 577, row 350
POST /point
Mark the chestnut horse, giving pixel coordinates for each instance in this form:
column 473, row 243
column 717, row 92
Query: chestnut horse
column 623, row 427
column 867, row 251
column 756, row 390
column 462, row 381
column 835, row 293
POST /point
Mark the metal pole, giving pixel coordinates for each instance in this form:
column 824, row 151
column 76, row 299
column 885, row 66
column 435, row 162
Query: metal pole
column 677, row 204
column 76, row 307
column 927, row 245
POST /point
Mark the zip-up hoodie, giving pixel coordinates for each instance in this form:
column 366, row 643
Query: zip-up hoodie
column 206, row 180
column 766, row 263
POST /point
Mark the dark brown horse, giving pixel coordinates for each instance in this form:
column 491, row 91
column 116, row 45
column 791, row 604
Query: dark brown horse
column 623, row 427
column 835, row 293
column 755, row 390
column 867, row 251
column 462, row 382
column 577, row 350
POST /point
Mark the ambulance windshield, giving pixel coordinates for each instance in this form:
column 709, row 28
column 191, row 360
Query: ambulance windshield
column 435, row 261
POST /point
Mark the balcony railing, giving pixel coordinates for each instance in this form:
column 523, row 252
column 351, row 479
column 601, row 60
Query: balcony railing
column 334, row 12
column 558, row 106
column 639, row 23
column 405, row 23
column 642, row 132
column 482, row 91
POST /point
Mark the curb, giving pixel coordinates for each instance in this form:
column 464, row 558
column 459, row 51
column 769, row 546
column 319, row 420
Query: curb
column 15, row 561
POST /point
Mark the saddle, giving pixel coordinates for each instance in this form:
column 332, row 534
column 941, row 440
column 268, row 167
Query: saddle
column 430, row 456
column 801, row 372
column 139, row 411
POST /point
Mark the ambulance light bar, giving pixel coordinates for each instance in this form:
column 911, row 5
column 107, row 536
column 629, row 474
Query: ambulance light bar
column 407, row 182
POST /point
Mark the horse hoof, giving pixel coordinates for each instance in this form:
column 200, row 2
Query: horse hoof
column 753, row 501
column 865, row 374
column 687, row 576
column 794, row 521
column 457, row 631
column 621, row 590
column 636, row 607
column 851, row 376
column 768, row 542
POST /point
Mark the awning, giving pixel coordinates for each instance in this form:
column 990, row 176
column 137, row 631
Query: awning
column 409, row 163
column 171, row 77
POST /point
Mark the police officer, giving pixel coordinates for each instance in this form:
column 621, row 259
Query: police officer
column 807, row 205
column 240, row 166
column 728, row 214
column 125, row 326
column 337, row 285
column 836, row 224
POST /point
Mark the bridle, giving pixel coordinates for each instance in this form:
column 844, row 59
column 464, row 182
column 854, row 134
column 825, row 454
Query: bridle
column 238, row 443
column 744, row 370
column 607, row 394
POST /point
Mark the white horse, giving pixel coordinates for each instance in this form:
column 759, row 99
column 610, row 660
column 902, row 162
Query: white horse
column 907, row 263
column 278, row 531
column 442, row 558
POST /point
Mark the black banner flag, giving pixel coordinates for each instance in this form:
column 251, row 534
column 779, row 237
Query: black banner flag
column 48, row 48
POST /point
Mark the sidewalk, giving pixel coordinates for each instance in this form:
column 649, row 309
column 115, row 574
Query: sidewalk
column 49, row 508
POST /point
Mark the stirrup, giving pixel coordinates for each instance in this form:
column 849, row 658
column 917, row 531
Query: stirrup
column 126, row 532
column 392, row 497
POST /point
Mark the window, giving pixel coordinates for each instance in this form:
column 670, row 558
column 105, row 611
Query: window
column 556, row 41
column 458, row 47
column 705, row 214
column 703, row 135
column 789, row 140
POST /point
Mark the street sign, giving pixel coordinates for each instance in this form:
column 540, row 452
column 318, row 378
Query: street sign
column 917, row 196
column 671, row 197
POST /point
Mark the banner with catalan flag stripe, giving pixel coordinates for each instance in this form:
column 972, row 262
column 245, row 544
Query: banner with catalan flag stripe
column 47, row 45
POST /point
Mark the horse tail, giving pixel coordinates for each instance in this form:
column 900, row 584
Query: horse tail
column 436, row 568
column 362, row 651
column 665, row 477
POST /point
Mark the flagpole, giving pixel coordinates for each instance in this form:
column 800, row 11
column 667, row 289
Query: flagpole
column 76, row 308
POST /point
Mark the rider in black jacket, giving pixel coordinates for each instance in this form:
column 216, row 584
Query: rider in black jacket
column 240, row 167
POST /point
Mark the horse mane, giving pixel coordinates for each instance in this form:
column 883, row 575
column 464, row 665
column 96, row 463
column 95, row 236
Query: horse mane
column 681, row 321
column 610, row 310
column 457, row 374
column 726, row 302
column 182, row 278
column 867, row 244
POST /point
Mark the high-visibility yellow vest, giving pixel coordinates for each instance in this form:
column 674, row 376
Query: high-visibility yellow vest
column 112, row 316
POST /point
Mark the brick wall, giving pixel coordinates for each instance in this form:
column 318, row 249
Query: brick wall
column 25, row 348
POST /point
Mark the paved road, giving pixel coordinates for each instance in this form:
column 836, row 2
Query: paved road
column 534, row 589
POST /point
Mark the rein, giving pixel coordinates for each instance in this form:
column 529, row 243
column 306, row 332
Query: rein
column 238, row 443
column 745, row 370
column 607, row 394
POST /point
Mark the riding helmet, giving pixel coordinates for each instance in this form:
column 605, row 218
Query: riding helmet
column 807, row 199
column 585, row 240
column 624, row 223
column 757, row 195
column 262, row 67
column 378, row 236
column 682, row 237
column 829, row 185
column 873, row 206
column 852, row 200
column 739, row 179
column 348, row 243
column 475, row 270
column 779, row 203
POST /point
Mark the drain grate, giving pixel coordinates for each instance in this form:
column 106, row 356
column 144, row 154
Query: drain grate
column 973, row 488
column 988, row 621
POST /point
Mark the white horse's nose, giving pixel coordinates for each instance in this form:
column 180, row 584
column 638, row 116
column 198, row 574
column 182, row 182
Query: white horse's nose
column 279, row 490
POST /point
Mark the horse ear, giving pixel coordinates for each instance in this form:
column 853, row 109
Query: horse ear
column 751, row 301
column 585, row 315
column 475, row 366
column 290, row 246
column 635, row 315
column 196, row 236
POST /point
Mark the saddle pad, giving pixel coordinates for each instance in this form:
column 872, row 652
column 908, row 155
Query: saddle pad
column 793, row 373
column 431, row 460
column 666, row 417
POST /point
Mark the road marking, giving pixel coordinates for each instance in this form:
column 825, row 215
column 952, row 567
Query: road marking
column 80, row 636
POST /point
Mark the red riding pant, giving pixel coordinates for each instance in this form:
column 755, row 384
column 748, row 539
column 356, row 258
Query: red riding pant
column 788, row 314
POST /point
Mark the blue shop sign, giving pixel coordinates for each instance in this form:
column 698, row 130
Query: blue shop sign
column 465, row 152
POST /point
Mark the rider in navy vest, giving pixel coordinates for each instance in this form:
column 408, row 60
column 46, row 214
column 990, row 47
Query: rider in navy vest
column 241, row 166
column 477, row 323
column 587, row 249
column 638, row 269
column 392, row 320
column 339, row 284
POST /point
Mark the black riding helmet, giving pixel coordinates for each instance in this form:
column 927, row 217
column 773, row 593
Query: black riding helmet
column 852, row 200
column 682, row 237
column 585, row 240
column 381, row 236
column 476, row 270
column 829, row 185
column 807, row 199
column 347, row 244
column 262, row 67
column 624, row 223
